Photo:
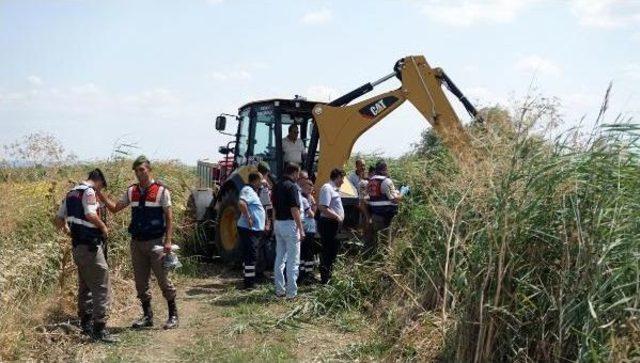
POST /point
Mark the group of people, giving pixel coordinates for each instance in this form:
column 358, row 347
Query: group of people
column 81, row 216
column 290, row 211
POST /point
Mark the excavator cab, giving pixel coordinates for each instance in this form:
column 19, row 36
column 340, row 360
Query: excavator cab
column 261, row 127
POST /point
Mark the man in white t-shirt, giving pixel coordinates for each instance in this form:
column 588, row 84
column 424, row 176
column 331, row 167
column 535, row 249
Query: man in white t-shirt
column 331, row 216
column 292, row 147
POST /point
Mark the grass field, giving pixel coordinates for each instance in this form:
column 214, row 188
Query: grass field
column 527, row 253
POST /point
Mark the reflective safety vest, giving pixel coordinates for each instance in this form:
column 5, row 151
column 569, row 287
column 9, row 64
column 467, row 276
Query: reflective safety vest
column 147, row 215
column 82, row 231
column 378, row 202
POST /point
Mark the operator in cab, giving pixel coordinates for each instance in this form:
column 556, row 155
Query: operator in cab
column 292, row 147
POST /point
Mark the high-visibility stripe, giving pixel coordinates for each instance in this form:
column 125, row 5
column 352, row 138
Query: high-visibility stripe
column 249, row 268
column 75, row 220
column 152, row 204
column 249, row 274
column 381, row 203
column 134, row 204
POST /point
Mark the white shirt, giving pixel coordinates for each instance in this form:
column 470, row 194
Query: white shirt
column 355, row 181
column 330, row 198
column 292, row 150
column 389, row 189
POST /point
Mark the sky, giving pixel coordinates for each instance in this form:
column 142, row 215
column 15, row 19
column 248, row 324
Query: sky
column 155, row 74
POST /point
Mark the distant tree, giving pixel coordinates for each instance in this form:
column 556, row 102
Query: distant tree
column 37, row 149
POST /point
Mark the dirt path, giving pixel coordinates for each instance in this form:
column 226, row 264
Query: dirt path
column 220, row 323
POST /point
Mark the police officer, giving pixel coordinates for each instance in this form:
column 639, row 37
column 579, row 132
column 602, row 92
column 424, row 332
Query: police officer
column 382, row 202
column 151, row 230
column 88, row 233
column 250, row 226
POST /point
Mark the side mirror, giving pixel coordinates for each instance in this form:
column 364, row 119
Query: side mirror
column 224, row 150
column 221, row 123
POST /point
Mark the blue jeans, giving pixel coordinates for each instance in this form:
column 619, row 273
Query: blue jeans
column 287, row 252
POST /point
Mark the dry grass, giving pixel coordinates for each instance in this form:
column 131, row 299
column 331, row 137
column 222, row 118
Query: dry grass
column 37, row 274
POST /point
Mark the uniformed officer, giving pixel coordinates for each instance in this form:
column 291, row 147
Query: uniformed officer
column 151, row 230
column 78, row 216
column 382, row 202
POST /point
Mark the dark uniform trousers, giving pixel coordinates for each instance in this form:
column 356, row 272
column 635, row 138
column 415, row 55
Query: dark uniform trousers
column 328, row 229
column 250, row 240
column 93, row 282
column 144, row 260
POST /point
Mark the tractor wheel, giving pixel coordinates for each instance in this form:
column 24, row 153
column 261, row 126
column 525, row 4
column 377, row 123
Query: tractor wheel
column 227, row 233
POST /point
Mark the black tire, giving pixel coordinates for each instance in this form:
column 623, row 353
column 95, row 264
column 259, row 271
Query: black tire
column 227, row 243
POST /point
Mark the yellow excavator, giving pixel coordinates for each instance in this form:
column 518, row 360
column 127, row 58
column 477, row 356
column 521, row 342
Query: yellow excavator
column 328, row 131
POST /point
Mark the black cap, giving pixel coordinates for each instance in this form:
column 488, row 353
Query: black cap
column 97, row 175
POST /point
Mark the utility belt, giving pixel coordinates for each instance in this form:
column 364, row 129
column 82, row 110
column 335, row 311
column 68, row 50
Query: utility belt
column 93, row 243
column 143, row 237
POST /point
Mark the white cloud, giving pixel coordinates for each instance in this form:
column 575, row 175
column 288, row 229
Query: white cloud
column 471, row 12
column 86, row 89
column 238, row 75
column 34, row 81
column 317, row 17
column 606, row 13
column 321, row 93
column 90, row 101
column 537, row 64
column 482, row 96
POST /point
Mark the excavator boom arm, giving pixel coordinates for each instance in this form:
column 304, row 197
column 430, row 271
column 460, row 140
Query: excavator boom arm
column 339, row 126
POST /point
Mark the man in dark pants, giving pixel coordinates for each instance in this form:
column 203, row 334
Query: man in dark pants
column 78, row 215
column 250, row 226
column 331, row 215
column 264, row 257
column 309, row 206
column 151, row 231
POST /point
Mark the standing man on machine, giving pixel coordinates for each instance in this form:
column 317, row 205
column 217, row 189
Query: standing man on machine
column 151, row 231
column 292, row 147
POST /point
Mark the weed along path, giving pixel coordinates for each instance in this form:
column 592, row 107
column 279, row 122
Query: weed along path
column 223, row 324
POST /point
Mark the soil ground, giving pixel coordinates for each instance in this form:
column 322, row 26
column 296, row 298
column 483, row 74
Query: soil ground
column 221, row 323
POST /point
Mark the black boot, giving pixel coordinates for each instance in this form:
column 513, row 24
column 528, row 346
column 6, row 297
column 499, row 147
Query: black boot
column 173, row 321
column 100, row 334
column 86, row 324
column 146, row 321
